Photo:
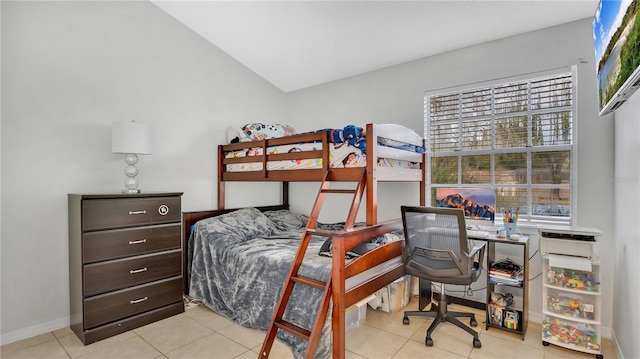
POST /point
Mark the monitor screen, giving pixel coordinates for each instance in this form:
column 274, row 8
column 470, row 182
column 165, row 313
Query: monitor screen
column 478, row 203
column 616, row 35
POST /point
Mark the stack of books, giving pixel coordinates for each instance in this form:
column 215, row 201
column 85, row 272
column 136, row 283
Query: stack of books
column 505, row 271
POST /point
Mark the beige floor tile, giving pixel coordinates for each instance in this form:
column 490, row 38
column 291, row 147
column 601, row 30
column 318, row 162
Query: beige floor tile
column 448, row 337
column 413, row 349
column 393, row 323
column 208, row 318
column 244, row 336
column 249, row 354
column 608, row 349
column 62, row 332
column 371, row 342
column 200, row 333
column 351, row 355
column 278, row 350
column 173, row 332
column 494, row 347
column 214, row 346
column 133, row 348
column 25, row 343
column 75, row 348
column 41, row 346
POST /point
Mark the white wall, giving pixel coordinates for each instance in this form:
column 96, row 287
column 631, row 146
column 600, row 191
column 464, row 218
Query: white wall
column 396, row 94
column 69, row 69
column 627, row 195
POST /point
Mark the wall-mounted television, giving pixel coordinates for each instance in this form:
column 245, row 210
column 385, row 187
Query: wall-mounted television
column 479, row 204
column 616, row 36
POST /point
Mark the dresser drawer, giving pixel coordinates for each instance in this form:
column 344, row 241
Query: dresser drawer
column 113, row 306
column 122, row 273
column 118, row 243
column 126, row 212
column 89, row 336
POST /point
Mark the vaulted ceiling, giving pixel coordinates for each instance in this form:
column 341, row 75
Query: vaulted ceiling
column 297, row 44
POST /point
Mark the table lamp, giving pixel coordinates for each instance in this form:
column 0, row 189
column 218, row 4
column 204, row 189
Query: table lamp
column 131, row 139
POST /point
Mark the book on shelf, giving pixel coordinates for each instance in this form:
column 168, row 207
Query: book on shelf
column 505, row 271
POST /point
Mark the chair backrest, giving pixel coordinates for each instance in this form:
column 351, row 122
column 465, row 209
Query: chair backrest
column 436, row 243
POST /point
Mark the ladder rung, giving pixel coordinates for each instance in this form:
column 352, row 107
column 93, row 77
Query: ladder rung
column 312, row 336
column 309, row 281
column 345, row 191
column 320, row 232
column 293, row 329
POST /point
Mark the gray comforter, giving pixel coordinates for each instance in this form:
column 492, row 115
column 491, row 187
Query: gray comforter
column 239, row 262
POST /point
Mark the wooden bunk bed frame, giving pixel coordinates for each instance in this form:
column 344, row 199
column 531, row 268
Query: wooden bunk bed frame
column 342, row 241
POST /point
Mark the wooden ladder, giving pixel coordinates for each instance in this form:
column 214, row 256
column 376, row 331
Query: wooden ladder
column 312, row 336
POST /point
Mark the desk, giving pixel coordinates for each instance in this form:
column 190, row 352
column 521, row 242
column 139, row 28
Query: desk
column 492, row 241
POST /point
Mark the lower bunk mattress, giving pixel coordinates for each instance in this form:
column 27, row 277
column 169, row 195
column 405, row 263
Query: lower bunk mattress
column 239, row 262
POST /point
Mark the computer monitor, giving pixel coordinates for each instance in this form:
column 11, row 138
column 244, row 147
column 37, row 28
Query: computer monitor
column 479, row 204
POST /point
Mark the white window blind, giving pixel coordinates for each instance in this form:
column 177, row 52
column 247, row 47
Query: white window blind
column 515, row 135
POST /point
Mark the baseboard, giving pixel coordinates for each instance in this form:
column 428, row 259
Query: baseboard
column 29, row 332
column 616, row 346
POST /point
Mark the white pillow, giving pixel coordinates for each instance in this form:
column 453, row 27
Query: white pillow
column 260, row 131
column 235, row 134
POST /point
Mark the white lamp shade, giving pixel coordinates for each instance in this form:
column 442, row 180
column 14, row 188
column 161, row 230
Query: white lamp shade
column 131, row 137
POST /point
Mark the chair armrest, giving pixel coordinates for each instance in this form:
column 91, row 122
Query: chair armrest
column 479, row 246
column 478, row 250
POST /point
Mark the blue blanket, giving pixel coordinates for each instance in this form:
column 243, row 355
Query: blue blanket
column 239, row 263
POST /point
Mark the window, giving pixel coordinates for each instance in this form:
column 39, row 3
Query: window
column 514, row 135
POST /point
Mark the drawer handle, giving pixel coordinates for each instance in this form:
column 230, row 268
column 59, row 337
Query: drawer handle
column 134, row 271
column 135, row 301
column 138, row 212
column 138, row 241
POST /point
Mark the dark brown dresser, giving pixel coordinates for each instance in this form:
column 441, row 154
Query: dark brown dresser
column 125, row 261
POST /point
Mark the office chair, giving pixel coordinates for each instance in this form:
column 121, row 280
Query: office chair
column 437, row 249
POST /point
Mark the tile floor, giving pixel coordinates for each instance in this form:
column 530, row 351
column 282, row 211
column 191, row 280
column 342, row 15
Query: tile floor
column 200, row 333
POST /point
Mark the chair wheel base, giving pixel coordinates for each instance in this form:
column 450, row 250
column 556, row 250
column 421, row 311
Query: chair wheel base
column 473, row 322
column 476, row 343
column 428, row 341
column 405, row 321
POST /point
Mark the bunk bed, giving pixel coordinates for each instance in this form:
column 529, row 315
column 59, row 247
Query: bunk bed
column 388, row 153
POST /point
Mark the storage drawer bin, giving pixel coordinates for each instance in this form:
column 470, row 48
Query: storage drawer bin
column 356, row 315
column 395, row 296
column 572, row 279
column 570, row 304
column 570, row 333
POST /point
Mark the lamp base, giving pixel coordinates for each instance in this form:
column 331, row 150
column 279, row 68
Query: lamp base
column 131, row 184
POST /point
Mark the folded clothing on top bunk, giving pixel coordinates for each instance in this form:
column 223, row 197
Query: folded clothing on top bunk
column 350, row 134
column 340, row 157
column 348, row 149
column 258, row 131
